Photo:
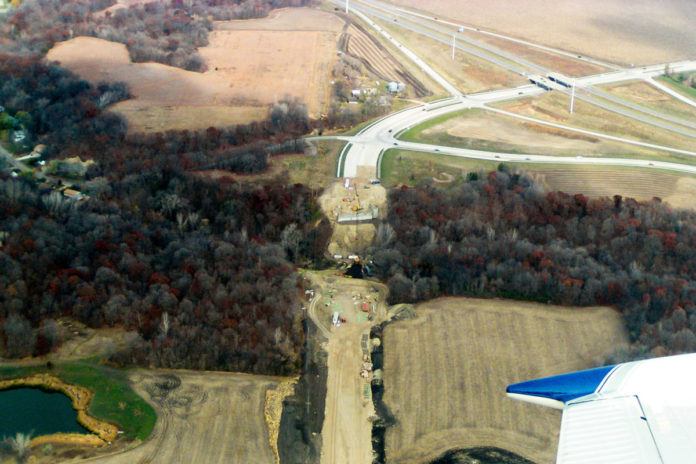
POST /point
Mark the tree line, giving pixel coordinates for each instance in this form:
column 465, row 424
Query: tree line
column 500, row 235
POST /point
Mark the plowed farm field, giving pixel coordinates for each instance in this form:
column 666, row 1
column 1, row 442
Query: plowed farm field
column 445, row 373
column 250, row 65
column 203, row 418
column 677, row 190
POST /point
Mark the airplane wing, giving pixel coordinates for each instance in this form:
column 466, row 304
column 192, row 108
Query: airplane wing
column 637, row 412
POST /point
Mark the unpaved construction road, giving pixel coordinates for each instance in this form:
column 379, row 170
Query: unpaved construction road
column 347, row 430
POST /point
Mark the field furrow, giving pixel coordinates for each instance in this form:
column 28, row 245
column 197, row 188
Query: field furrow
column 455, row 360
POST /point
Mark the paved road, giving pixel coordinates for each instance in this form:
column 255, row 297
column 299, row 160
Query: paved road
column 523, row 67
column 412, row 56
column 482, row 50
column 671, row 92
column 369, row 143
column 367, row 146
column 407, row 13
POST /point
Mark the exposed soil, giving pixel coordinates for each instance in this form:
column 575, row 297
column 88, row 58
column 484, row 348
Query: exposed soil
column 445, row 373
column 351, row 238
column 508, row 132
column 202, row 417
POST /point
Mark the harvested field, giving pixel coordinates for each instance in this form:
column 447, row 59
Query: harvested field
column 206, row 417
column 619, row 31
column 679, row 191
column 142, row 116
column 445, row 373
column 647, row 95
column 248, row 69
column 286, row 19
column 466, row 72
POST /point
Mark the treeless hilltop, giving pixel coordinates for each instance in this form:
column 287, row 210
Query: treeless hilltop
column 247, row 70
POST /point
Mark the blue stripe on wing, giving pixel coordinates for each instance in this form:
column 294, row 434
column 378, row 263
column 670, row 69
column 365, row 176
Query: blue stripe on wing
column 564, row 387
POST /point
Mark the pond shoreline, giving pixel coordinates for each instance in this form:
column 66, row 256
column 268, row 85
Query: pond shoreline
column 102, row 432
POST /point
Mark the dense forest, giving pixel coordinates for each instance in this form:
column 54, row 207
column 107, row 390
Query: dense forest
column 501, row 235
column 167, row 32
column 201, row 273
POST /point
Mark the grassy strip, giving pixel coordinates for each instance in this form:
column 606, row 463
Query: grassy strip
column 405, row 167
column 114, row 400
column 414, row 133
column 342, row 159
column 678, row 86
column 672, row 106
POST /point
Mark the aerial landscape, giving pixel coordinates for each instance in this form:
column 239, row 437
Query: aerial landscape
column 347, row 232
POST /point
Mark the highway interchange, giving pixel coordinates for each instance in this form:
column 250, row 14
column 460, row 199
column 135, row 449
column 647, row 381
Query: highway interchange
column 366, row 147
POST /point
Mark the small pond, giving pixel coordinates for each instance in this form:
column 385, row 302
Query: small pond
column 33, row 410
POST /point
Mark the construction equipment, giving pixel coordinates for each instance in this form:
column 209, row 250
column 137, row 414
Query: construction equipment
column 357, row 206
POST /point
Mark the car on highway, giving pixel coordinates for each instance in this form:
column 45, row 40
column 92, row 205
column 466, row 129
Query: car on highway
column 437, row 149
column 395, row 143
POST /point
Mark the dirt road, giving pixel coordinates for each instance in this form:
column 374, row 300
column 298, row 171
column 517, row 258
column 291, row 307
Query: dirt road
column 347, row 430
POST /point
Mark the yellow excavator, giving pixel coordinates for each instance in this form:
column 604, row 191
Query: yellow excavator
column 356, row 206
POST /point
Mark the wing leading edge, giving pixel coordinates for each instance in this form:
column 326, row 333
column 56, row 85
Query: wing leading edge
column 637, row 412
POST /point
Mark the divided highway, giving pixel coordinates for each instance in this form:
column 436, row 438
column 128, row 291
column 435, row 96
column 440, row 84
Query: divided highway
column 366, row 147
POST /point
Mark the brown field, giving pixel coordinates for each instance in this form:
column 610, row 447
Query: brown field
column 210, row 417
column 445, row 373
column 146, row 118
column 467, row 72
column 646, row 95
column 553, row 107
column 679, row 191
column 248, row 69
column 496, row 132
column 559, row 63
column 620, row 31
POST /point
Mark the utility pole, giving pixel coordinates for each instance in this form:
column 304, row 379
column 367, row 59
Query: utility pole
column 572, row 97
column 347, row 2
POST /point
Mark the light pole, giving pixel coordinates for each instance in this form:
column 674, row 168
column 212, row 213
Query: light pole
column 347, row 2
column 454, row 43
column 572, row 97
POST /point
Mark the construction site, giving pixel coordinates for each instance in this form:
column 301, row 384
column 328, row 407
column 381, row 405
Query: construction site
column 344, row 310
column 352, row 206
